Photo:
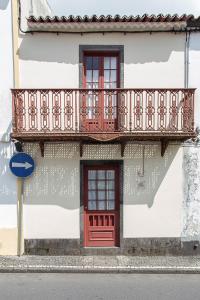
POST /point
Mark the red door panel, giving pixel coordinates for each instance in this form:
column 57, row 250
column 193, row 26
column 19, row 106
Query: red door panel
column 101, row 71
column 101, row 206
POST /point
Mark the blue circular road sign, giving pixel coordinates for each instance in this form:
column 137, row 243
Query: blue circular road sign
column 22, row 164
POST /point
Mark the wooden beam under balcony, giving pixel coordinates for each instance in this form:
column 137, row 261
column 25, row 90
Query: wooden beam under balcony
column 102, row 137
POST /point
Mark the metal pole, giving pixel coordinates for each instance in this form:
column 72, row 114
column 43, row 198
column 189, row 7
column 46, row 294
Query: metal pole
column 15, row 30
column 20, row 240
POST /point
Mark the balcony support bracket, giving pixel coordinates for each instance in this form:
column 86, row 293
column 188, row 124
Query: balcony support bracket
column 164, row 145
column 123, row 145
column 81, row 149
column 41, row 144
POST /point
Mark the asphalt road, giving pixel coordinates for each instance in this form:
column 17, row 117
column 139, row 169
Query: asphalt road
column 99, row 286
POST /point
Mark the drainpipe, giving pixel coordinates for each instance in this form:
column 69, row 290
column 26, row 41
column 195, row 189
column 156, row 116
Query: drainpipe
column 186, row 59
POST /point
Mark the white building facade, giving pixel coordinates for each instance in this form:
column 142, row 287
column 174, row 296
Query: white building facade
column 8, row 187
column 107, row 108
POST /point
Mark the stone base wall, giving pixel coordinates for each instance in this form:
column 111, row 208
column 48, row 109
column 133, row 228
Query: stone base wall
column 52, row 247
column 129, row 246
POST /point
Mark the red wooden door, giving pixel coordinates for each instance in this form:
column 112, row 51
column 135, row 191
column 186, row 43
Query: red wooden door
column 101, row 71
column 101, row 206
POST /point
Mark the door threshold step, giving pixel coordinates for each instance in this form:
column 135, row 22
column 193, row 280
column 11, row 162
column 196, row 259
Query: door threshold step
column 101, row 248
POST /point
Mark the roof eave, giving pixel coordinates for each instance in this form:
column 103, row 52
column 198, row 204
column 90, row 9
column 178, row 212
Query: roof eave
column 106, row 26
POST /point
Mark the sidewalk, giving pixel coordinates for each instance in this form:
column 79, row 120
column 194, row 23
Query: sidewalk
column 100, row 264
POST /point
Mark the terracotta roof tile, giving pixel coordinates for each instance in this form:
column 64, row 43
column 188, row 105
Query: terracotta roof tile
column 193, row 22
column 116, row 18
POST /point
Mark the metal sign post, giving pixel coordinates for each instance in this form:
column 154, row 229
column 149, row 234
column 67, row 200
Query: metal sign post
column 21, row 165
column 20, row 242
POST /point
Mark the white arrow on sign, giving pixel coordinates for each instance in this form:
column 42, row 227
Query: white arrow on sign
column 25, row 165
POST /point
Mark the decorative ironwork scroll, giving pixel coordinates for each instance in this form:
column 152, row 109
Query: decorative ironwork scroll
column 103, row 111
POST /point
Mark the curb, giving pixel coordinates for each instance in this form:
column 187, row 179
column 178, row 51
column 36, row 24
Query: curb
column 99, row 269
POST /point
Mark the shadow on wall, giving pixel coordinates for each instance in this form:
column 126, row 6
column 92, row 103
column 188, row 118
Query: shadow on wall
column 47, row 48
column 141, row 185
column 3, row 4
column 6, row 136
column 65, row 48
column 56, row 180
column 7, row 180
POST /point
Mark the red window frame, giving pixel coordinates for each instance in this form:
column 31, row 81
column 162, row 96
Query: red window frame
column 102, row 121
column 101, row 54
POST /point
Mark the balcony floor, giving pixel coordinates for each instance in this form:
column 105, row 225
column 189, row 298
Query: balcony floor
column 102, row 137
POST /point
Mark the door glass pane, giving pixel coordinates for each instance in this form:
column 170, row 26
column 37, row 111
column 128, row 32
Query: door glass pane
column 101, row 174
column 101, row 189
column 92, row 205
column 113, row 76
column 107, row 85
column 101, row 195
column 92, row 174
column 91, row 185
column 106, row 62
column 89, row 75
column 114, row 100
column 113, row 85
column 95, row 76
column 101, row 185
column 91, row 195
column 113, row 63
column 110, row 185
column 89, row 62
column 110, row 195
column 101, row 205
column 111, row 205
column 95, row 85
column 110, row 174
column 89, row 100
column 95, row 63
column 106, row 76
column 89, row 85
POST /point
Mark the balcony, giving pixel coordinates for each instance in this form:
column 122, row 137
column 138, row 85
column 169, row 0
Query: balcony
column 102, row 115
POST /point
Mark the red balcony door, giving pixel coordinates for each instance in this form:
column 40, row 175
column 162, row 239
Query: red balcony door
column 101, row 206
column 101, row 71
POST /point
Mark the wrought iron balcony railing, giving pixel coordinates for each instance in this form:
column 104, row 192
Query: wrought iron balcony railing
column 72, row 113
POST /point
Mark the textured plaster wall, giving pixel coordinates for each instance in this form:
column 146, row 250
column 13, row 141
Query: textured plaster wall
column 152, row 203
column 50, row 60
column 191, row 163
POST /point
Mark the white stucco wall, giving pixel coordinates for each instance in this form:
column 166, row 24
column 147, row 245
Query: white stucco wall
column 52, row 194
column 52, row 61
column 194, row 67
column 6, row 67
column 8, row 198
column 152, row 204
